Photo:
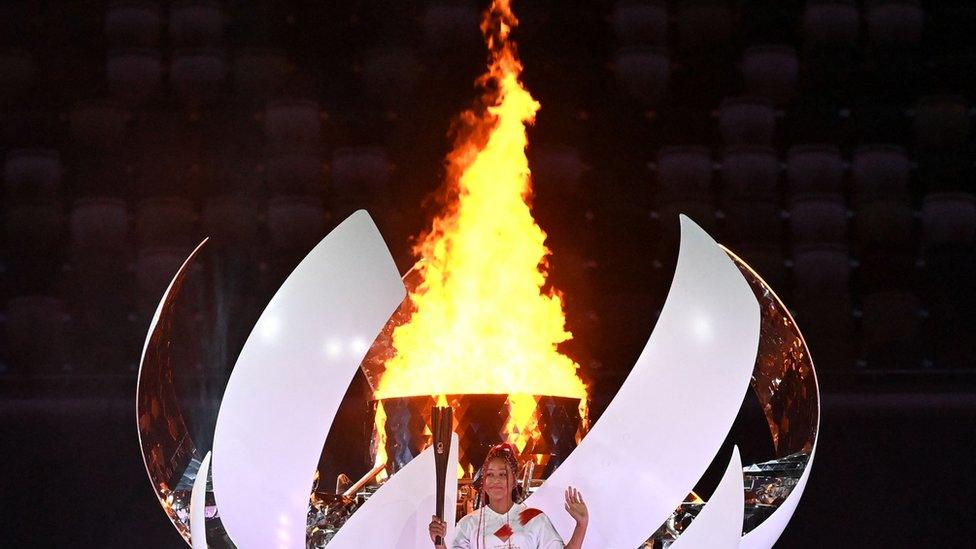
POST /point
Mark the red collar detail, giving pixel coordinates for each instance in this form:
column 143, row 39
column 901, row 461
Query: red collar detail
column 528, row 514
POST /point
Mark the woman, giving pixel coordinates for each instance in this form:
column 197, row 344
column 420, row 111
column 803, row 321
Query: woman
column 501, row 523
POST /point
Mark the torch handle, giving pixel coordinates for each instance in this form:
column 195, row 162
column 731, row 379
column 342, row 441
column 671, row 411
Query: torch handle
column 442, row 425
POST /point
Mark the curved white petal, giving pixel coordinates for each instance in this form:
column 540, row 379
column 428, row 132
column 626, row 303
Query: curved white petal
column 397, row 515
column 676, row 407
column 198, row 506
column 290, row 378
column 719, row 524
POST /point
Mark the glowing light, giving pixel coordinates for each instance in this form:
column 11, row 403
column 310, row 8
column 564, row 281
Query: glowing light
column 358, row 346
column 481, row 319
column 271, row 329
column 333, row 348
column 702, row 328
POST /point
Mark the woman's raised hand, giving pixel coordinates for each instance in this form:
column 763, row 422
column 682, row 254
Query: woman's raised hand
column 437, row 527
column 576, row 507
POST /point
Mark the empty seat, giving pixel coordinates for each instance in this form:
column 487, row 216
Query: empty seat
column 894, row 22
column 165, row 221
column 941, row 123
column 198, row 75
column 360, row 173
column 828, row 327
column 616, row 225
column 390, row 75
column 771, row 71
column 133, row 75
column 17, row 71
column 946, row 171
column 99, row 223
column 30, row 270
column 34, row 228
column 684, row 172
column 451, row 25
column 883, row 225
column 32, row 175
column 874, row 121
column 259, row 74
column 813, row 119
column 231, row 219
column 239, row 170
column 99, row 124
column 295, row 173
column 818, row 219
column 814, row 169
column 31, row 123
column 888, row 268
column 196, row 23
column 295, row 221
column 161, row 174
column 133, row 23
column 747, row 121
column 879, row 171
column 949, row 337
column 830, row 23
column 950, row 300
column 100, row 295
column 35, row 327
column 949, row 219
column 556, row 168
column 753, row 221
column 642, row 74
column 891, row 326
column 293, row 122
column 820, row 271
column 704, row 24
column 750, row 172
column 97, row 173
column 640, row 22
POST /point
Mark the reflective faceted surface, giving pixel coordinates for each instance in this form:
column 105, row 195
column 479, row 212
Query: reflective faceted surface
column 182, row 374
column 783, row 379
column 167, row 445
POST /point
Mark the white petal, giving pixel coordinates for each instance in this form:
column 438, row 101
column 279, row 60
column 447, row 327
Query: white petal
column 198, row 506
column 676, row 407
column 283, row 394
column 719, row 524
column 398, row 514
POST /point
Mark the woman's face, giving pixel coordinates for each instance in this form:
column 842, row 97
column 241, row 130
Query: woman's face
column 499, row 480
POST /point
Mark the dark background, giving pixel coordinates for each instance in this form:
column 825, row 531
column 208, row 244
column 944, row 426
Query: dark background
column 829, row 143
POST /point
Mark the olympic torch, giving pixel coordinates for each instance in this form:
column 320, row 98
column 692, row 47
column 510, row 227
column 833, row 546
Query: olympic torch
column 442, row 425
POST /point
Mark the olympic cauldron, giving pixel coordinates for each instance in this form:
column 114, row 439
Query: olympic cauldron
column 545, row 438
column 481, row 421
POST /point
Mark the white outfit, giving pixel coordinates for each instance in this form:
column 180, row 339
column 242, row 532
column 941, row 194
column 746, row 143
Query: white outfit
column 536, row 532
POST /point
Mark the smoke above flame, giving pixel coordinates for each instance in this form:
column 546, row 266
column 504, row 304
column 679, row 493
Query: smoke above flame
column 482, row 319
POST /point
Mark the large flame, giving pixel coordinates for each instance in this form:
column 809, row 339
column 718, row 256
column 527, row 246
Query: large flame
column 482, row 321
